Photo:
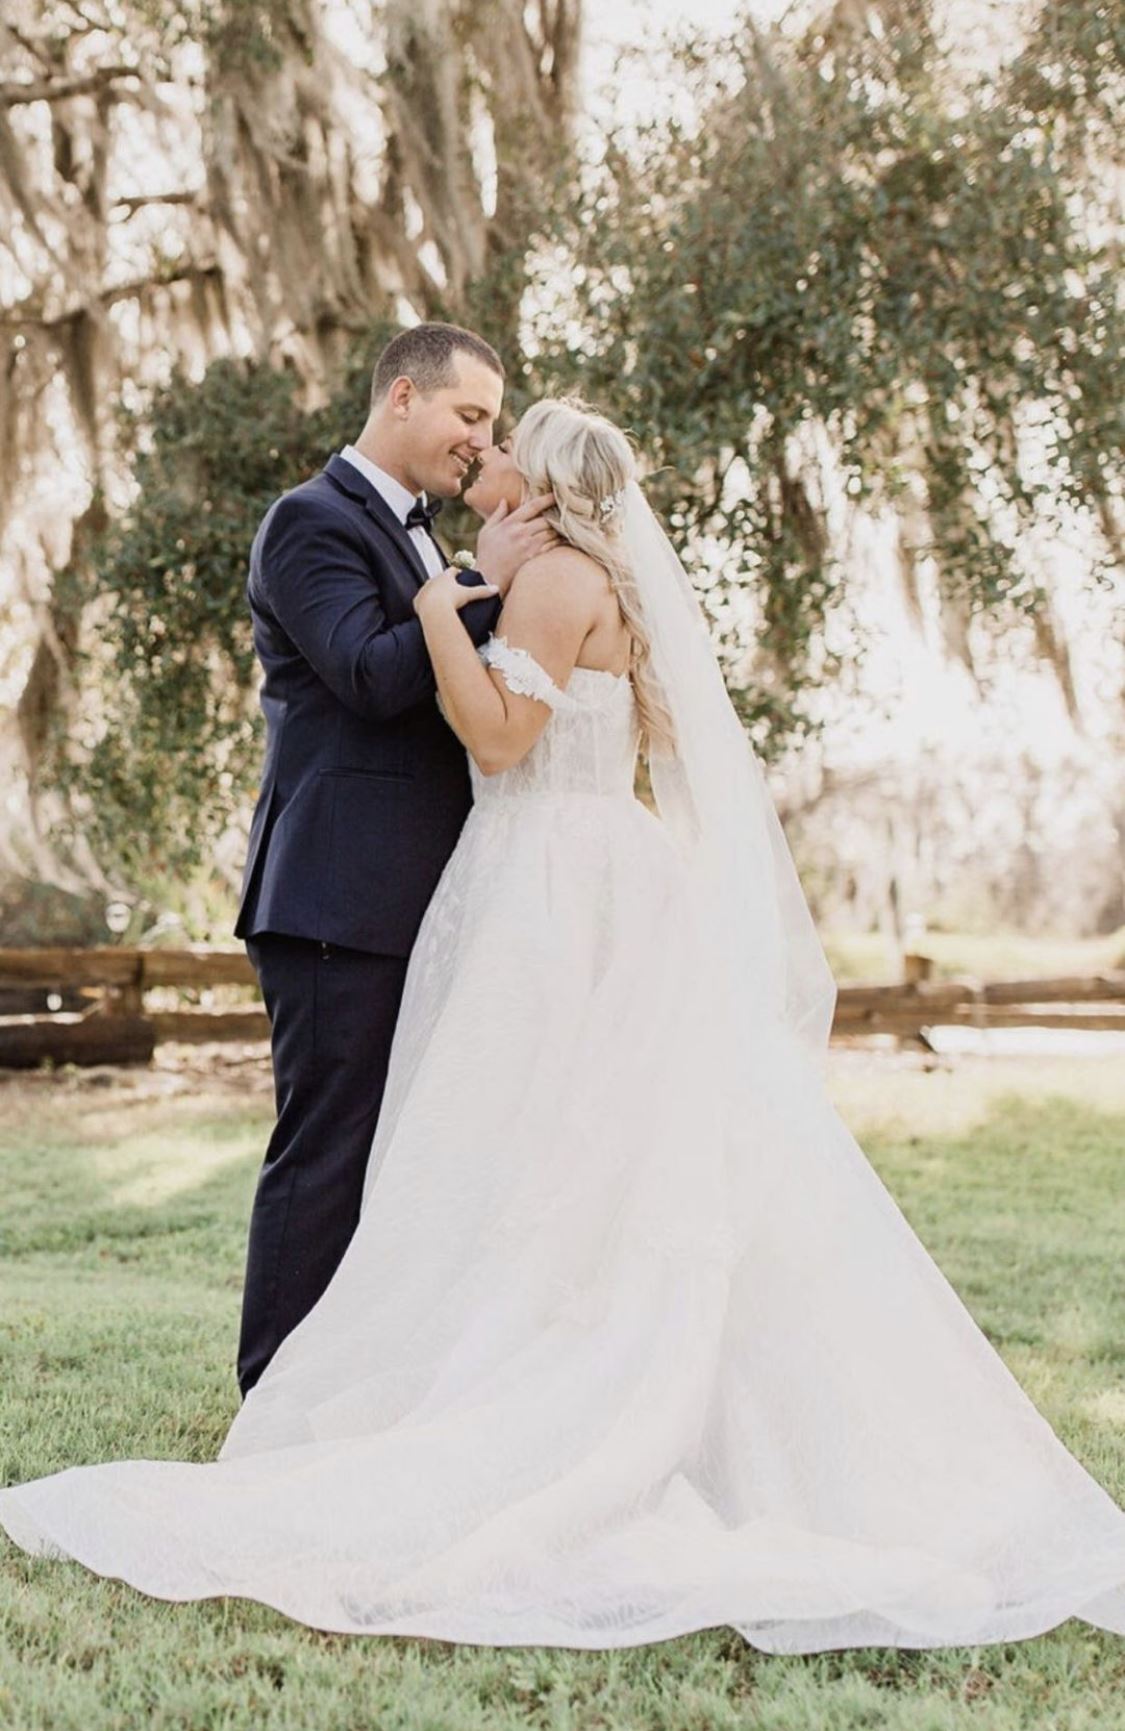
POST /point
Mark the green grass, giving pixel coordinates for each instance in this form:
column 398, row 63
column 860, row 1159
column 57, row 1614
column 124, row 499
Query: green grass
column 991, row 955
column 121, row 1243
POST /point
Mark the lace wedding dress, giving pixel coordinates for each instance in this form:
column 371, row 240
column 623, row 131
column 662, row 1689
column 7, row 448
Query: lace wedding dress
column 629, row 1341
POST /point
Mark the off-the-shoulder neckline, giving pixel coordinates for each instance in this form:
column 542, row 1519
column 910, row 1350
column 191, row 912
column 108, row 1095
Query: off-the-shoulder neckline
column 605, row 672
column 601, row 672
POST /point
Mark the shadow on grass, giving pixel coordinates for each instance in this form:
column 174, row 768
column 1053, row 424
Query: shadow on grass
column 69, row 1188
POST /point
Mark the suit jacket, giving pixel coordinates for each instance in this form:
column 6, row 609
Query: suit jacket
column 364, row 788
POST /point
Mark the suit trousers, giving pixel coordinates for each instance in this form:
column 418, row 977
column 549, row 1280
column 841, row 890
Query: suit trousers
column 332, row 1014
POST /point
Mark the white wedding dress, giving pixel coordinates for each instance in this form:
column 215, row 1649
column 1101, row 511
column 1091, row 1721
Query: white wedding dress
column 628, row 1342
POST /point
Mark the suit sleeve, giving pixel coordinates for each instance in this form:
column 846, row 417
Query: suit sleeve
column 317, row 580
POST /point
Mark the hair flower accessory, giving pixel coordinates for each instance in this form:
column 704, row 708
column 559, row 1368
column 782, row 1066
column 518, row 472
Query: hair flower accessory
column 600, row 510
column 464, row 558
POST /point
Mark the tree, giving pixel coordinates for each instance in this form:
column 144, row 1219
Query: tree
column 181, row 183
column 859, row 276
column 860, row 280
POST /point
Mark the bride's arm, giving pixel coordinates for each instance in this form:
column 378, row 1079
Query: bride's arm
column 549, row 611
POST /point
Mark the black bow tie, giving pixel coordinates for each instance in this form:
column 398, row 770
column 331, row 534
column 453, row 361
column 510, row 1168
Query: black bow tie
column 421, row 516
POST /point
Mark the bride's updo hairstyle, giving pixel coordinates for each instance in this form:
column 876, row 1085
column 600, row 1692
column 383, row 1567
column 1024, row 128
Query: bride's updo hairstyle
column 564, row 447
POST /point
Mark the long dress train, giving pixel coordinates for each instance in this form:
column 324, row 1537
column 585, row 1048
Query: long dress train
column 628, row 1341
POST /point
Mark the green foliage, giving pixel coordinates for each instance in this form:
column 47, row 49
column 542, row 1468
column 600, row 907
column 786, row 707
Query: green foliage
column 852, row 278
column 854, row 251
column 175, row 745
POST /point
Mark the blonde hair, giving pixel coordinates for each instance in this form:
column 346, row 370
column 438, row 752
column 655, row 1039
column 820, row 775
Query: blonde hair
column 564, row 447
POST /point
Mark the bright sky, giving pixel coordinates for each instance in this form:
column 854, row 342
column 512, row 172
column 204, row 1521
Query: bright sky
column 638, row 23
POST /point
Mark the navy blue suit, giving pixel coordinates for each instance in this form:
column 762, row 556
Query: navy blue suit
column 363, row 795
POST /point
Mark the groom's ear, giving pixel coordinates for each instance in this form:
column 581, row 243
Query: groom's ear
column 400, row 394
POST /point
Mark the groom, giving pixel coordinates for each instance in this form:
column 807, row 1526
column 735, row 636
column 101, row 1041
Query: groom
column 363, row 793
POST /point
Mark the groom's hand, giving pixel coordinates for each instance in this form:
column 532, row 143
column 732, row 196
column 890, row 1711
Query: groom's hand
column 508, row 539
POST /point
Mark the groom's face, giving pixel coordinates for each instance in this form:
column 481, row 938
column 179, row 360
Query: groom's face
column 444, row 431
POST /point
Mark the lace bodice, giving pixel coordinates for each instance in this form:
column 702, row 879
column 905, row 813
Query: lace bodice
column 589, row 745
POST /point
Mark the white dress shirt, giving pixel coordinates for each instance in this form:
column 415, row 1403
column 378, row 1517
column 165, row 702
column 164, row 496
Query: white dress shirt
column 400, row 499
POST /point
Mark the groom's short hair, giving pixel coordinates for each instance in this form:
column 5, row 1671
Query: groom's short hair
column 425, row 354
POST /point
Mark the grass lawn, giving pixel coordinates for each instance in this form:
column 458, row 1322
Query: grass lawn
column 122, row 1234
column 992, row 955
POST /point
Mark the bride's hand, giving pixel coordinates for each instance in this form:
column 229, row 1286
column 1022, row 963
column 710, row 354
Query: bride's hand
column 445, row 590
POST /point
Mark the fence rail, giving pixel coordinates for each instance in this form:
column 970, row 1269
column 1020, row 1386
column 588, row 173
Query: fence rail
column 118, row 1027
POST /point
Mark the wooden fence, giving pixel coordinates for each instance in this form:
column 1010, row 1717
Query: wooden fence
column 118, row 1027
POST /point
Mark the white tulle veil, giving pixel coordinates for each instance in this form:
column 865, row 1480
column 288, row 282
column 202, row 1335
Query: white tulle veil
column 712, row 794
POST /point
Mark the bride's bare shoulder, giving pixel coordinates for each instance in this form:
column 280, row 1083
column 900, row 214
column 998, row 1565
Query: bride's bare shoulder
column 562, row 570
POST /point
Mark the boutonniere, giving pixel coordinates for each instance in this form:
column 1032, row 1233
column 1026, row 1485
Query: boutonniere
column 464, row 559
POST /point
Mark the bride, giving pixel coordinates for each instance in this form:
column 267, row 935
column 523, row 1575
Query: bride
column 630, row 1339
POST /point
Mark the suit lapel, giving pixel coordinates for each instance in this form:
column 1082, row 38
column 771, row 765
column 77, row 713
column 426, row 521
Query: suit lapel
column 445, row 559
column 347, row 477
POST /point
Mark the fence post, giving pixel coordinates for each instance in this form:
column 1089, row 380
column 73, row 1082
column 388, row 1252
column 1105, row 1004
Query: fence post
column 127, row 999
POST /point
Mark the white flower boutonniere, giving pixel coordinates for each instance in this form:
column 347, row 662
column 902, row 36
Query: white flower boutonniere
column 464, row 559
